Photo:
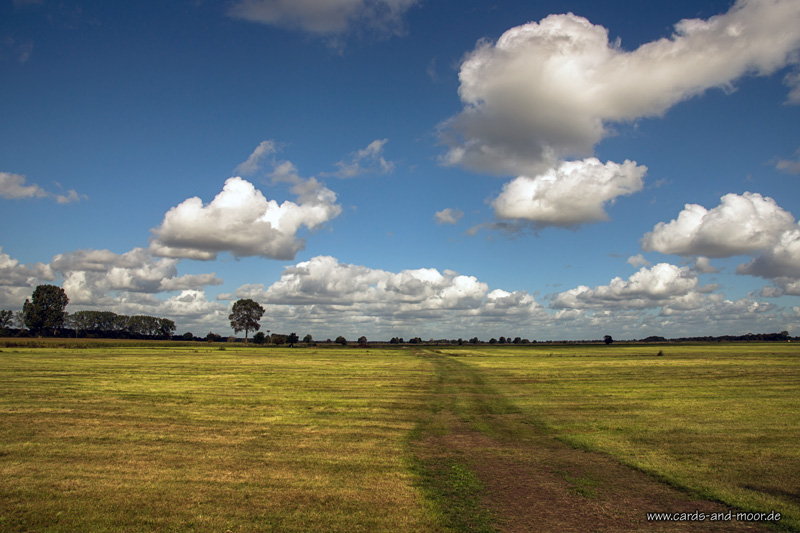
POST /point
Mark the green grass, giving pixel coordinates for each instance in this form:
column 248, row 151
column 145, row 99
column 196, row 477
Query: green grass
column 147, row 437
column 722, row 421
column 138, row 436
column 446, row 475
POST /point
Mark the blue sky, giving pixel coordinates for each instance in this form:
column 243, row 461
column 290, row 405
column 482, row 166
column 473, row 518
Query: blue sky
column 549, row 170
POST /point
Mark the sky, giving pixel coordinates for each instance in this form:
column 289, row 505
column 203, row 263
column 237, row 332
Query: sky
column 407, row 168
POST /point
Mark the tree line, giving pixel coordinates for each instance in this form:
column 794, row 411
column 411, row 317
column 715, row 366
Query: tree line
column 44, row 314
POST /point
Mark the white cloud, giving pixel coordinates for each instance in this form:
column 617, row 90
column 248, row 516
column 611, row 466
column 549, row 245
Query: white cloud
column 13, row 186
column 90, row 276
column 255, row 161
column 768, row 291
column 739, row 225
column 13, row 274
column 368, row 160
column 793, row 81
column 748, row 224
column 324, row 280
column 240, row 220
column 325, row 17
column 782, row 260
column 660, row 285
column 190, row 309
column 448, row 216
column 130, row 283
column 790, row 166
column 715, row 315
column 285, row 172
column 547, row 91
column 192, row 304
column 702, row 265
column 323, row 292
column 327, row 298
column 663, row 300
column 17, row 281
column 784, row 285
column 638, row 260
column 70, row 197
column 574, row 193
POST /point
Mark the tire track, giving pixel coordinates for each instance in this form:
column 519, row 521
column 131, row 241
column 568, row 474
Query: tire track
column 487, row 466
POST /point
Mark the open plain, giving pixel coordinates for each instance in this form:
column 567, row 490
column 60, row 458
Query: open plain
column 132, row 436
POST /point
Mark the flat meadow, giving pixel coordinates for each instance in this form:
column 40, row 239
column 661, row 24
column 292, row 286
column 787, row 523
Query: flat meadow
column 115, row 436
column 145, row 437
column 720, row 420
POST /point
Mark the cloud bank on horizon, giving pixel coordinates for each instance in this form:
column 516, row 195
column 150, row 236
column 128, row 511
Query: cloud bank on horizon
column 536, row 106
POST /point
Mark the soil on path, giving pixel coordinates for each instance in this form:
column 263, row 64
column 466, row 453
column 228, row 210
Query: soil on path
column 533, row 482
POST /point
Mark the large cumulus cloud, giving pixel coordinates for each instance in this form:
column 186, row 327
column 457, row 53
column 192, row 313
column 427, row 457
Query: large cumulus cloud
column 780, row 263
column 747, row 224
column 740, row 224
column 660, row 285
column 240, row 220
column 574, row 193
column 663, row 300
column 548, row 90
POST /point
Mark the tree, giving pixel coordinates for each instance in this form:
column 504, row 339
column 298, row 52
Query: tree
column 166, row 327
column 341, row 340
column 45, row 310
column 259, row 338
column 188, row 336
column 149, row 326
column 80, row 320
column 607, row 339
column 19, row 318
column 308, row 339
column 245, row 315
column 362, row 341
column 6, row 319
column 292, row 339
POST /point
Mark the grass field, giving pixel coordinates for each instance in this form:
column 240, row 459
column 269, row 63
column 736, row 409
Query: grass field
column 721, row 420
column 140, row 436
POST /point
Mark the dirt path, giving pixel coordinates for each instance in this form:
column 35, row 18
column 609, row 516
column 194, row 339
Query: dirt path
column 528, row 480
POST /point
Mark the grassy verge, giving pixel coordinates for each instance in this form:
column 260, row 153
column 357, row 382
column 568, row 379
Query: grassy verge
column 147, row 437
